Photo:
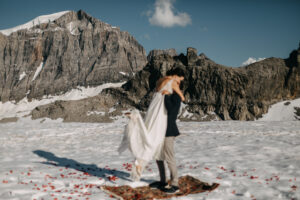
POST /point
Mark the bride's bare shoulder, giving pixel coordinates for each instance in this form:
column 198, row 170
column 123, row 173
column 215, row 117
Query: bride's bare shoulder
column 162, row 82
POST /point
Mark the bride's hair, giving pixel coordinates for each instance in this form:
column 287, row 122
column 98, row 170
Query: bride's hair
column 176, row 71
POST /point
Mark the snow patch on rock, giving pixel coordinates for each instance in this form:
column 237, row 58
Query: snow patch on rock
column 72, row 27
column 38, row 70
column 282, row 111
column 22, row 76
column 36, row 21
column 102, row 113
column 252, row 60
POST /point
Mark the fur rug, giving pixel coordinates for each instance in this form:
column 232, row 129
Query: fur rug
column 187, row 185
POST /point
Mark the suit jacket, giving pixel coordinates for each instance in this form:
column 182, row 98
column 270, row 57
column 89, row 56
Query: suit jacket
column 172, row 104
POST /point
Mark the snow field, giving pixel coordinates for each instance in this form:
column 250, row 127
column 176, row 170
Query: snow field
column 282, row 111
column 54, row 160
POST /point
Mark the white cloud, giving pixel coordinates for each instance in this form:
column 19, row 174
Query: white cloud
column 251, row 60
column 165, row 16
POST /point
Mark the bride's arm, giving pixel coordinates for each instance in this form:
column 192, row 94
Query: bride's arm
column 161, row 83
column 175, row 87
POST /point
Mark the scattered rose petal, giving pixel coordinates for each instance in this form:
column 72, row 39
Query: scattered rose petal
column 294, row 187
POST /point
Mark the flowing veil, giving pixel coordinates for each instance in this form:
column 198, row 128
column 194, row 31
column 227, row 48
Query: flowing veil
column 145, row 138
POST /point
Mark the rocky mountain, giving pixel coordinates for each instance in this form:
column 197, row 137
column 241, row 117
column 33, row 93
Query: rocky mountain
column 55, row 53
column 243, row 93
column 156, row 52
column 212, row 91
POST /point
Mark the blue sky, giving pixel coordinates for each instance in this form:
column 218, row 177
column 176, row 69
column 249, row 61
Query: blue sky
column 227, row 31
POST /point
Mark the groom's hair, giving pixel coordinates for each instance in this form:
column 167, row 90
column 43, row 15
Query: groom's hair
column 176, row 71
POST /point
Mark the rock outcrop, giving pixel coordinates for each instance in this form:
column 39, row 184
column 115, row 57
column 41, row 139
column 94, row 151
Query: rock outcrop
column 212, row 91
column 243, row 93
column 156, row 52
column 74, row 50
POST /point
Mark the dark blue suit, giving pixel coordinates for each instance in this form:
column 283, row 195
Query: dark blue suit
column 172, row 104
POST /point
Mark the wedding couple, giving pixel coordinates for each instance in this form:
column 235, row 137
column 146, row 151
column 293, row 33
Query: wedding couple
column 153, row 137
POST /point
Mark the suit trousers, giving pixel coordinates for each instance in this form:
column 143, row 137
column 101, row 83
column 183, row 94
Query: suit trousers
column 169, row 157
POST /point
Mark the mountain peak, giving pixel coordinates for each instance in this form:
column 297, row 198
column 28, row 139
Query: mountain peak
column 36, row 21
column 82, row 14
column 70, row 20
column 155, row 52
column 68, row 49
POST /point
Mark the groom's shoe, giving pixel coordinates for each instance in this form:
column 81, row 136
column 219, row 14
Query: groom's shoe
column 157, row 184
column 170, row 189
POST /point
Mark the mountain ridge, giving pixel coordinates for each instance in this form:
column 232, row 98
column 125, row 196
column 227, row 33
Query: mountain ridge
column 79, row 50
column 36, row 21
column 212, row 91
column 73, row 50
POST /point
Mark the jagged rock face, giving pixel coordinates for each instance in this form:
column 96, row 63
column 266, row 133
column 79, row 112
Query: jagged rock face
column 156, row 52
column 293, row 78
column 75, row 49
column 96, row 109
column 212, row 91
column 243, row 93
column 104, row 107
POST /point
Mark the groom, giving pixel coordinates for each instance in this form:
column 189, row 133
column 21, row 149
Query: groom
column 172, row 104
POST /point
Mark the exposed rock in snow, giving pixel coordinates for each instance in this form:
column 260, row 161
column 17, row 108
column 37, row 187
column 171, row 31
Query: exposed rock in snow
column 24, row 107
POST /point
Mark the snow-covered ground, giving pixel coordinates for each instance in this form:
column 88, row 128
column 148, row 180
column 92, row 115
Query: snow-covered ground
column 24, row 107
column 282, row 111
column 45, row 159
column 48, row 159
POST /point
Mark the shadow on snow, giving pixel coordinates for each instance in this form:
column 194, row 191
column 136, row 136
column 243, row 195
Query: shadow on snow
column 91, row 169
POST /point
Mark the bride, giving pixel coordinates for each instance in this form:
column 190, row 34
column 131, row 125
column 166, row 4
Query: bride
column 145, row 138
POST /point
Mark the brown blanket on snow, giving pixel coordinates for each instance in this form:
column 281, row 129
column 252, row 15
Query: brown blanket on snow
column 187, row 185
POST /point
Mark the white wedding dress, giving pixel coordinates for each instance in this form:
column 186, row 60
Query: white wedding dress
column 145, row 138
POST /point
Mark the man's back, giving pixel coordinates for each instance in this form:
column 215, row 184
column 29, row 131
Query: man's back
column 172, row 103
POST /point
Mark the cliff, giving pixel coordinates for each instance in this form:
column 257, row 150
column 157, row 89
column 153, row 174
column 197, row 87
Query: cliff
column 55, row 56
column 212, row 91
